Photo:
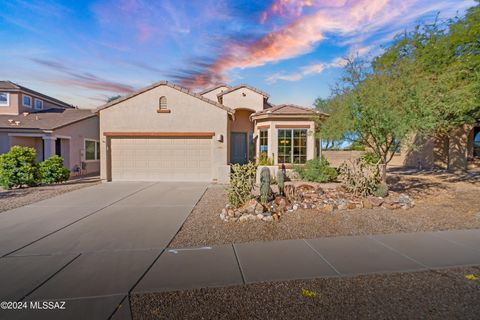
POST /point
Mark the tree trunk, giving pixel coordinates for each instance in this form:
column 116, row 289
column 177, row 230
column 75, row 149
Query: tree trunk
column 383, row 172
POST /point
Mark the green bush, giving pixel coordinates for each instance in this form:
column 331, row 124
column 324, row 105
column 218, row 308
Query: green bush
column 242, row 181
column 18, row 168
column 52, row 170
column 370, row 158
column 381, row 190
column 316, row 170
column 264, row 160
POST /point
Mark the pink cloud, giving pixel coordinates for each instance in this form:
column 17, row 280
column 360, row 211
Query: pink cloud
column 285, row 8
column 299, row 37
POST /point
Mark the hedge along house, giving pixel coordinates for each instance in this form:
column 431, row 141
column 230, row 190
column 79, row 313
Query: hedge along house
column 167, row 133
column 50, row 126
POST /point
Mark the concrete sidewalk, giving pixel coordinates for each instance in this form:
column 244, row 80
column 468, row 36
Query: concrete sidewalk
column 179, row 269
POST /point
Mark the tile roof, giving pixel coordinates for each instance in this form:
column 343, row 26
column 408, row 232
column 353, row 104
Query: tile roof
column 13, row 87
column 287, row 109
column 214, row 88
column 266, row 95
column 171, row 85
column 48, row 119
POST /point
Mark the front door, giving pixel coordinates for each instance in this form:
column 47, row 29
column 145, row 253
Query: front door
column 238, row 148
column 58, row 147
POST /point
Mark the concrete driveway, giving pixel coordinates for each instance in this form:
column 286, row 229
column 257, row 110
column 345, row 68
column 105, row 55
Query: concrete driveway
column 89, row 247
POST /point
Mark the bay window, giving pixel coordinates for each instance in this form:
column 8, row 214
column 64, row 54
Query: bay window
column 292, row 146
column 263, row 142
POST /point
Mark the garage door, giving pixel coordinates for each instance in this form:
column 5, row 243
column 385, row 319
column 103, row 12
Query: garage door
column 161, row 159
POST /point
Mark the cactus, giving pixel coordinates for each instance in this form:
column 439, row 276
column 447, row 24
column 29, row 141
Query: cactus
column 281, row 182
column 264, row 185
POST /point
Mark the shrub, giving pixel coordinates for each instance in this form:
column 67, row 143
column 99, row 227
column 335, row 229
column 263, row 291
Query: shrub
column 242, row 180
column 53, row 171
column 359, row 177
column 264, row 160
column 317, row 170
column 381, row 190
column 19, row 168
column 370, row 158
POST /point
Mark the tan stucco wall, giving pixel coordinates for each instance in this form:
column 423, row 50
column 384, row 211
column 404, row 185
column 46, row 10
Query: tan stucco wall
column 212, row 95
column 78, row 132
column 444, row 152
column 242, row 121
column 337, row 157
column 236, row 99
column 188, row 114
column 273, row 136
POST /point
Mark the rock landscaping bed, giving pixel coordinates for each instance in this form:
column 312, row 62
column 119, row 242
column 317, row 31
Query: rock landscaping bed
column 440, row 204
column 312, row 196
column 440, row 294
column 14, row 198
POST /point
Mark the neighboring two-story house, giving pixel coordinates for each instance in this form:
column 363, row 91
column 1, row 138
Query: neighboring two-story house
column 50, row 126
column 167, row 132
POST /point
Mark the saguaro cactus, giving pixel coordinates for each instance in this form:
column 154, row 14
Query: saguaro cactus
column 281, row 182
column 264, row 185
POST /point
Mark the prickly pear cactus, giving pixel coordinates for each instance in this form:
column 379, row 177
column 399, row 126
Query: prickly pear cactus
column 281, row 182
column 264, row 185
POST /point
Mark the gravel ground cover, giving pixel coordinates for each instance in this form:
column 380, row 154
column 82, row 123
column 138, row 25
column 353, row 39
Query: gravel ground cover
column 11, row 199
column 442, row 202
column 440, row 294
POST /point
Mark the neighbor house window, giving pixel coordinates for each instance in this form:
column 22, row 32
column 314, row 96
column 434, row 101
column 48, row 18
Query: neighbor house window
column 38, row 104
column 476, row 142
column 263, row 142
column 4, row 99
column 27, row 101
column 292, row 146
column 92, row 150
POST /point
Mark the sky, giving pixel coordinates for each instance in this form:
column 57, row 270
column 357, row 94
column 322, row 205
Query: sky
column 84, row 52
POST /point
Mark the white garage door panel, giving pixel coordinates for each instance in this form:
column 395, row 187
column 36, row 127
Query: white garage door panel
column 157, row 159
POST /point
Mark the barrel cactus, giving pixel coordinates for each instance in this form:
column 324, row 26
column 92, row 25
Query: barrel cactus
column 281, row 182
column 264, row 185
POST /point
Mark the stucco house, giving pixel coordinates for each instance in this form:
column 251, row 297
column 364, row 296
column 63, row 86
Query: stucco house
column 167, row 132
column 460, row 150
column 50, row 126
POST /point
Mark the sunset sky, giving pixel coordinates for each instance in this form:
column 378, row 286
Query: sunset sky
column 86, row 51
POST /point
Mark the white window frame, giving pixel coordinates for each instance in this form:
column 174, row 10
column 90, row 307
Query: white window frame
column 23, row 101
column 97, row 150
column 35, row 104
column 5, row 104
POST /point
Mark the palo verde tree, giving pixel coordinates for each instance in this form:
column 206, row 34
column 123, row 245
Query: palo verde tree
column 382, row 107
column 426, row 82
column 447, row 55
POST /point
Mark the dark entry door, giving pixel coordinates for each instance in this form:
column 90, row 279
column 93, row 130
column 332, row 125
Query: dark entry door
column 238, row 147
column 58, row 147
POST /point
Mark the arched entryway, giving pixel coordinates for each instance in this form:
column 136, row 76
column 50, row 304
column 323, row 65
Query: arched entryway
column 242, row 146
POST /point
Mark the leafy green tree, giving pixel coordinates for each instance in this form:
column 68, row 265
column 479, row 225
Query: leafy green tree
column 335, row 131
column 447, row 55
column 381, row 108
column 427, row 82
column 18, row 168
